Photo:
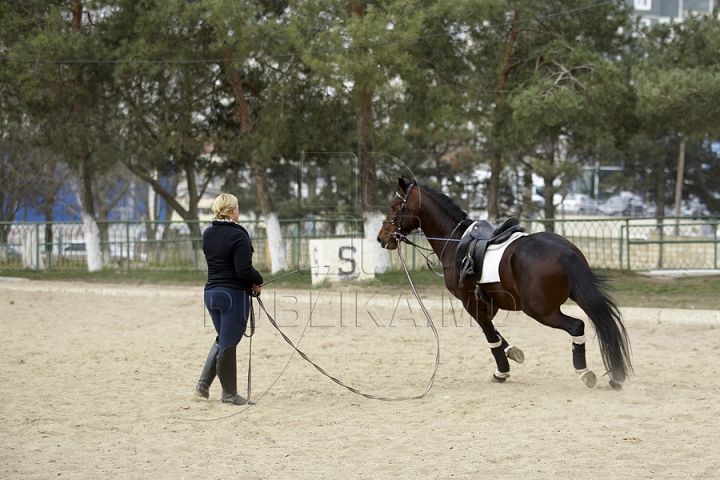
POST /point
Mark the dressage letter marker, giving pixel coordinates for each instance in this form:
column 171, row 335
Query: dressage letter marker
column 347, row 257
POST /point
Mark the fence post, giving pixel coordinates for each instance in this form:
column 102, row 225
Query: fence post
column 295, row 243
column 127, row 239
column 48, row 246
column 620, row 240
column 37, row 246
column 716, row 243
column 627, row 232
column 661, row 236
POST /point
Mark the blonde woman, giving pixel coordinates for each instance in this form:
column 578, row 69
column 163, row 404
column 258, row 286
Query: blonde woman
column 231, row 280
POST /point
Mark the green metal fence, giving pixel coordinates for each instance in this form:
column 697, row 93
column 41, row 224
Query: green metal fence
column 635, row 244
column 161, row 245
column 671, row 244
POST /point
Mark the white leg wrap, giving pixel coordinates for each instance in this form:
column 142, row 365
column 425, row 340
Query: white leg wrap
column 578, row 340
column 508, row 348
column 496, row 344
column 500, row 374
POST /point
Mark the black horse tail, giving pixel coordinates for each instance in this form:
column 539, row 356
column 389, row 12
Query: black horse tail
column 591, row 293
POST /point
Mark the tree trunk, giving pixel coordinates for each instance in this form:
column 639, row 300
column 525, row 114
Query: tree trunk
column 267, row 207
column 679, row 183
column 493, row 208
column 48, row 213
column 193, row 198
column 659, row 190
column 549, row 176
column 151, row 225
column 680, row 177
column 272, row 224
column 660, row 211
column 87, row 206
column 372, row 216
column 104, row 228
column 528, row 207
column 496, row 149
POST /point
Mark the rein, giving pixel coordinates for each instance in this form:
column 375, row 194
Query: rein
column 251, row 322
column 401, row 237
column 302, row 334
column 405, row 239
column 354, row 390
column 317, row 367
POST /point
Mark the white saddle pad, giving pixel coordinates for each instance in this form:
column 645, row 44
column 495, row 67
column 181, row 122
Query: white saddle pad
column 493, row 255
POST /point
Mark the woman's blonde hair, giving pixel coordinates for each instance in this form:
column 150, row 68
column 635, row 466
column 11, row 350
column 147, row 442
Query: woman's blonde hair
column 223, row 205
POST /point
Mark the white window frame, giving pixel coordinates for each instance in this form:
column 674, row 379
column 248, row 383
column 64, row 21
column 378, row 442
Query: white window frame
column 644, row 5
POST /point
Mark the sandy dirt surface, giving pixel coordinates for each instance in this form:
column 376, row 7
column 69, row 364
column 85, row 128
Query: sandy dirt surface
column 99, row 383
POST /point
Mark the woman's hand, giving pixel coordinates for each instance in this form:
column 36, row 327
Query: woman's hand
column 256, row 289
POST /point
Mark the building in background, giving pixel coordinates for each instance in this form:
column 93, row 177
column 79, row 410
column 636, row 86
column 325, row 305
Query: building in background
column 652, row 12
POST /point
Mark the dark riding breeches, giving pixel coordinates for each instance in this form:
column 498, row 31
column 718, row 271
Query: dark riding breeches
column 229, row 310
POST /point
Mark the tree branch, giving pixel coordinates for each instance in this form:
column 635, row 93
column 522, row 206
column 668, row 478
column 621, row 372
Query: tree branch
column 144, row 175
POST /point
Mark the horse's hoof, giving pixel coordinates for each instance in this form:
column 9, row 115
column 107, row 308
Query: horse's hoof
column 516, row 354
column 589, row 379
column 615, row 385
column 500, row 377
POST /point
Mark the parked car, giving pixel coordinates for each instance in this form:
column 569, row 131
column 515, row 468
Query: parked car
column 121, row 251
column 578, row 203
column 625, row 205
column 693, row 207
column 74, row 251
column 10, row 251
column 686, row 210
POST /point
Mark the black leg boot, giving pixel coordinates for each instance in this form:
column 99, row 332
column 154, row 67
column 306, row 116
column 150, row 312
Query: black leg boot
column 208, row 373
column 227, row 373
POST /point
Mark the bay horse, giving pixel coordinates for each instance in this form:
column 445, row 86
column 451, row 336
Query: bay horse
column 538, row 273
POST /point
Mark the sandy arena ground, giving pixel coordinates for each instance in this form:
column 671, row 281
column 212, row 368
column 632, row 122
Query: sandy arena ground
column 99, row 384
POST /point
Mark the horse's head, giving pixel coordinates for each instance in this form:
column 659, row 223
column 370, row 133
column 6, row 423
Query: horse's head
column 400, row 220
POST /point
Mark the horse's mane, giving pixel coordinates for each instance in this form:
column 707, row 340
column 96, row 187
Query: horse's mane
column 454, row 211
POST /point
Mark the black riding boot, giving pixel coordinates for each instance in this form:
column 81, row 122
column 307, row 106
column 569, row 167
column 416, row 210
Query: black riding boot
column 208, row 373
column 227, row 373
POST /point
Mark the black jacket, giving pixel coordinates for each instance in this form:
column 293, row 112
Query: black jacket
column 228, row 253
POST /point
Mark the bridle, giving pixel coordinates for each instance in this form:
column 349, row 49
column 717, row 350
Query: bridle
column 403, row 206
column 399, row 236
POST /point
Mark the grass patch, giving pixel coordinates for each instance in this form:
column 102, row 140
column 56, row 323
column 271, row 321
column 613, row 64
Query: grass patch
column 629, row 289
column 146, row 277
column 113, row 276
column 421, row 278
column 289, row 279
column 632, row 289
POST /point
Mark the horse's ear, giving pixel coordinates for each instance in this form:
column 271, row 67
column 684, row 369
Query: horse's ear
column 402, row 183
